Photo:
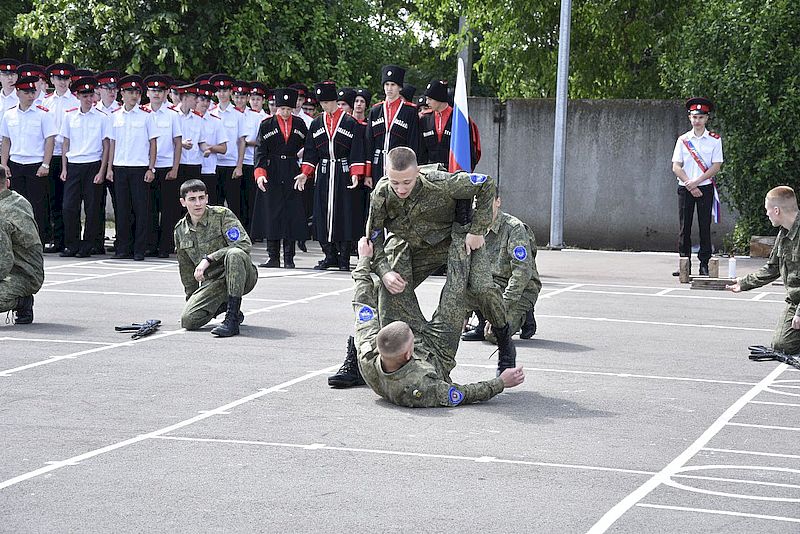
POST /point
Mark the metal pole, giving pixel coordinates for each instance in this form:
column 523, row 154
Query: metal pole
column 466, row 54
column 559, row 139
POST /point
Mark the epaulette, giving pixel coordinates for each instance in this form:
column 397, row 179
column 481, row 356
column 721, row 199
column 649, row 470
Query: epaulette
column 174, row 108
column 145, row 108
column 715, row 135
column 197, row 113
column 48, row 95
column 114, row 111
column 70, row 110
column 239, row 110
column 42, row 108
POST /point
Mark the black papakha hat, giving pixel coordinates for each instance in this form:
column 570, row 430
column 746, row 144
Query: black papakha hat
column 286, row 96
column 393, row 73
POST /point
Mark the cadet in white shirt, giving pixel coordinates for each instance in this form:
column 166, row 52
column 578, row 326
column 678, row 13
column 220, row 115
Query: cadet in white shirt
column 86, row 131
column 107, row 103
column 167, row 127
column 133, row 155
column 28, row 133
column 253, row 116
column 58, row 102
column 229, row 164
column 37, row 71
column 216, row 140
column 8, row 77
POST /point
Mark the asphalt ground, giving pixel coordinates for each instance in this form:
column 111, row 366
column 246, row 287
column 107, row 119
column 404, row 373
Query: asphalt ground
column 640, row 412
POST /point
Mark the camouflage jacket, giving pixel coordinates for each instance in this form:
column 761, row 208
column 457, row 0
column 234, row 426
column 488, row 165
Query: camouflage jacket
column 214, row 234
column 512, row 246
column 784, row 261
column 419, row 383
column 426, row 217
column 20, row 246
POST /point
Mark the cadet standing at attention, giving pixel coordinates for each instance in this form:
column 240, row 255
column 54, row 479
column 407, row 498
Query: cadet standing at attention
column 21, row 261
column 214, row 262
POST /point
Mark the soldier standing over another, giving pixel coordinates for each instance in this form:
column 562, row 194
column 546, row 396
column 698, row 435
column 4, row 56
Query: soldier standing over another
column 696, row 160
column 214, row 262
column 21, row 261
column 414, row 370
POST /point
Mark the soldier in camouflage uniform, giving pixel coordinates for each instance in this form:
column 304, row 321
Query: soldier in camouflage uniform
column 418, row 206
column 414, row 371
column 784, row 262
column 214, row 262
column 512, row 245
column 21, row 262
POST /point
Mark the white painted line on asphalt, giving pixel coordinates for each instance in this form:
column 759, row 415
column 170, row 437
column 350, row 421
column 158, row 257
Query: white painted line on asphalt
column 754, row 453
column 677, row 485
column 720, row 512
column 654, row 323
column 740, row 481
column 618, row 375
column 675, row 466
column 160, row 295
column 160, row 335
column 388, row 452
column 778, row 392
column 670, row 296
column 663, row 292
column 767, row 427
column 44, row 340
column 154, row 268
column 759, row 297
column 558, row 291
column 52, row 466
column 777, row 403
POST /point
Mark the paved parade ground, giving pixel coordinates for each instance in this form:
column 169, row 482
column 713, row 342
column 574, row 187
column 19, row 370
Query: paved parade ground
column 640, row 412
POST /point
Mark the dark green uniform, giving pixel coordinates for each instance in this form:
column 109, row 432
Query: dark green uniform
column 220, row 236
column 784, row 262
column 21, row 262
column 420, row 227
column 425, row 380
column 511, row 245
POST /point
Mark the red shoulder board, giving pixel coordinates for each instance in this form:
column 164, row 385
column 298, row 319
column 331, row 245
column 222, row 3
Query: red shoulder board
column 114, row 111
column 146, row 109
column 174, row 108
column 715, row 135
column 48, row 95
column 69, row 110
column 42, row 108
column 198, row 114
column 239, row 110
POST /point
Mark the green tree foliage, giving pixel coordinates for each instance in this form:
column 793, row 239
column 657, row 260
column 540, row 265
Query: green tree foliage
column 9, row 44
column 614, row 44
column 745, row 55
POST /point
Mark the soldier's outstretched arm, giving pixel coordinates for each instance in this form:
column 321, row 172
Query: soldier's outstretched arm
column 375, row 229
column 463, row 185
column 768, row 273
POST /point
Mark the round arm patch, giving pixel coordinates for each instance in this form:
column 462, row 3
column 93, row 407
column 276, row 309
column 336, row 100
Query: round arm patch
column 233, row 234
column 520, row 253
column 454, row 396
column 477, row 178
column 365, row 314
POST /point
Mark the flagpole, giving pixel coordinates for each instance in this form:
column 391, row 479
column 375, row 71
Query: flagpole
column 559, row 139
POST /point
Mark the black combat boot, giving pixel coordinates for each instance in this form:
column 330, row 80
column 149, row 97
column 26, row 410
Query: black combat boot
column 274, row 253
column 230, row 326
column 349, row 374
column 529, row 326
column 476, row 334
column 24, row 310
column 288, row 253
column 507, row 354
column 330, row 259
column 344, row 255
column 223, row 308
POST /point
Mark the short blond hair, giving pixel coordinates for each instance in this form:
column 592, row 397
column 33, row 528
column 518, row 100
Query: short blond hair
column 401, row 158
column 393, row 338
column 783, row 197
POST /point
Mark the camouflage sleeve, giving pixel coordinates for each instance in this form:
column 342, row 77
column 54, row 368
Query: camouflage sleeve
column 6, row 253
column 768, row 273
column 186, row 269
column 235, row 235
column 365, row 308
column 438, row 393
column 375, row 226
column 522, row 256
column 482, row 187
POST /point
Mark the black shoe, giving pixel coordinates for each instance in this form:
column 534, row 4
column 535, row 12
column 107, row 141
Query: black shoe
column 302, row 246
column 67, row 253
column 230, row 326
column 349, row 374
column 476, row 334
column 123, row 256
column 138, row 257
column 24, row 310
column 288, row 263
column 52, row 249
column 344, row 265
column 83, row 254
column 703, row 271
column 529, row 327
column 223, row 307
column 507, row 353
column 325, row 263
column 97, row 251
column 151, row 253
column 272, row 263
column 163, row 255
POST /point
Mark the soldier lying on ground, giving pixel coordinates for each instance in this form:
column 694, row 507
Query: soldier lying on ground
column 214, row 262
column 414, row 370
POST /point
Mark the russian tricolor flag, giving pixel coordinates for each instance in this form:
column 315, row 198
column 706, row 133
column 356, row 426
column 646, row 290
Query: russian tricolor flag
column 460, row 155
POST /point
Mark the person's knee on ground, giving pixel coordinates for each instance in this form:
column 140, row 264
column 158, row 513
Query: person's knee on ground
column 195, row 319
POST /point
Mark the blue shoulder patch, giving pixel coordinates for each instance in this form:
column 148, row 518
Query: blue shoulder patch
column 520, row 253
column 365, row 314
column 455, row 396
column 233, row 234
column 375, row 233
column 477, row 178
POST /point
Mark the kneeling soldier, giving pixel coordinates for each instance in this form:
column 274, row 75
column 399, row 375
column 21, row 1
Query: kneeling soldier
column 214, row 262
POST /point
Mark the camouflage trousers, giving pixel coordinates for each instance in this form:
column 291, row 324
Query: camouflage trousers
column 515, row 311
column 14, row 287
column 238, row 278
column 786, row 339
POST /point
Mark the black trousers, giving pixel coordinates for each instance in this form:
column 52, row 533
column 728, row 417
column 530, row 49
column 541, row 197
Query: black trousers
column 55, row 198
column 35, row 190
column 80, row 187
column 230, row 190
column 171, row 209
column 687, row 204
column 249, row 191
column 211, row 186
column 154, row 227
column 133, row 209
column 108, row 189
